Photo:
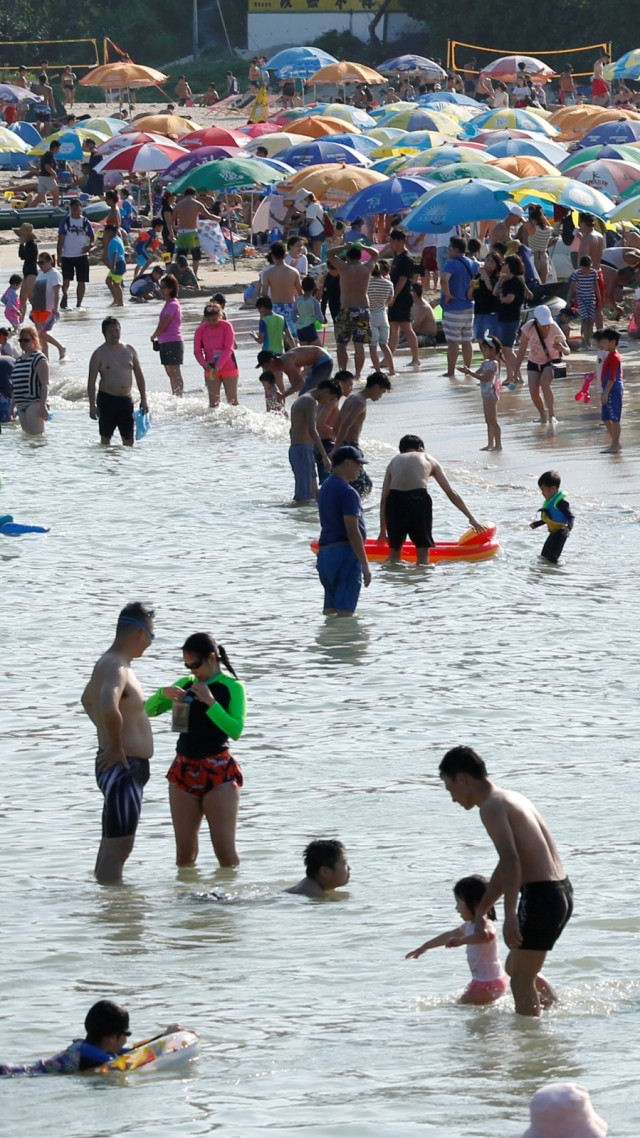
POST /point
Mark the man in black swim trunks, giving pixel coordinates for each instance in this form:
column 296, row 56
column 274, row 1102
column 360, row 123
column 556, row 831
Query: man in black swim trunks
column 529, row 865
column 114, row 702
column 116, row 365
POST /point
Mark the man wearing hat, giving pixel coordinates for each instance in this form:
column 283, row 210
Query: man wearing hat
column 502, row 229
column 342, row 560
column 564, row 1110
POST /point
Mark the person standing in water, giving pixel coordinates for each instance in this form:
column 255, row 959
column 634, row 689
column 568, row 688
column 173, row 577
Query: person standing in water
column 207, row 707
column 529, row 865
column 114, row 702
column 115, row 365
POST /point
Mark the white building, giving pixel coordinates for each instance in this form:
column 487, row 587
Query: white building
column 281, row 23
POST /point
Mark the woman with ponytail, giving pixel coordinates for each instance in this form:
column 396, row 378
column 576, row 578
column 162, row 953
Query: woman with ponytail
column 208, row 706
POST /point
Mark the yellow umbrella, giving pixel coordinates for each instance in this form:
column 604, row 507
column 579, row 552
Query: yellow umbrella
column 332, row 184
column 346, row 72
column 171, row 125
column 319, row 126
column 392, row 151
column 123, row 74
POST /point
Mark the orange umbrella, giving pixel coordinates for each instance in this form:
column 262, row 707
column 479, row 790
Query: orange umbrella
column 346, row 72
column 123, row 74
column 171, row 125
column 319, row 126
column 526, row 165
column 575, row 122
column 332, row 184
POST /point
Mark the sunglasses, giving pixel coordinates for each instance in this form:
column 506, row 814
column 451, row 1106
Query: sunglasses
column 193, row 665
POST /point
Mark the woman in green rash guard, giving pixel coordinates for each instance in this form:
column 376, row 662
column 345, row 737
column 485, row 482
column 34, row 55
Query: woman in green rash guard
column 207, row 707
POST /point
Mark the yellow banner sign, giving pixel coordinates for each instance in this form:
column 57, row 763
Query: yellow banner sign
column 306, row 6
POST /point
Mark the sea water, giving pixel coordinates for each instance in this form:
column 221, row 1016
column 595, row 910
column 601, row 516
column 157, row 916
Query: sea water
column 312, row 1021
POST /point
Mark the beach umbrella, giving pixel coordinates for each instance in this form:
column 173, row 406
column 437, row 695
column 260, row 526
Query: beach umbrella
column 106, row 125
column 291, row 114
column 420, row 118
column 321, row 127
column 257, row 129
column 508, row 68
column 322, row 150
column 624, row 152
column 434, row 97
column 391, row 165
column 354, row 115
column 563, row 191
column 71, row 143
column 145, row 158
column 412, row 63
column 394, row 195
column 213, row 136
column 456, row 170
column 455, row 111
column 333, row 184
column 425, row 139
column 123, row 74
column 26, row 132
column 608, row 175
column 457, row 202
column 122, row 141
column 227, row 174
column 524, row 166
column 443, row 155
column 172, row 126
column 10, row 94
column 627, row 67
column 194, row 158
column 12, row 142
column 298, row 62
column 276, row 143
column 345, row 72
column 505, row 117
column 539, row 147
column 611, row 133
column 628, row 210
column 387, row 134
column 361, row 143
column 574, row 122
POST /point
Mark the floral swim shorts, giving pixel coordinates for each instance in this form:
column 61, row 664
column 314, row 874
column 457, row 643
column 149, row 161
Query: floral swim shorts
column 199, row 776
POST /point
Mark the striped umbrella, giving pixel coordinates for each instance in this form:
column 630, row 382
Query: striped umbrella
column 539, row 147
column 627, row 67
column 420, row 118
column 505, row 117
column 608, row 175
column 623, row 152
column 563, row 191
column 508, row 68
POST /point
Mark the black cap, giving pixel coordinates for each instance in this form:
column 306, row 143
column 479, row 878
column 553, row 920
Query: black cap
column 264, row 356
column 341, row 454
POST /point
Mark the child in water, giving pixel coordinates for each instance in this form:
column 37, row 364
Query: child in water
column 488, row 979
column 274, row 398
column 327, row 868
column 11, row 300
column 107, row 1028
column 555, row 515
column 489, row 375
column 611, row 388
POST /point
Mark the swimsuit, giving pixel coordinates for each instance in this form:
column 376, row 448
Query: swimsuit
column 409, row 513
column 198, row 776
column 544, row 910
column 353, row 324
column 115, row 413
column 321, row 369
column 188, row 241
column 301, row 460
column 26, row 385
column 122, row 789
column 286, row 310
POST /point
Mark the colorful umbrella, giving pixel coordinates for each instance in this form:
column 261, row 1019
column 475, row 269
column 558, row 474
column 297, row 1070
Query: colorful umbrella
column 12, row 142
column 146, row 158
column 172, row 126
column 10, row 94
column 506, row 117
column 106, row 125
column 508, row 68
column 425, row 140
column 71, row 143
column 322, row 150
column 623, row 153
column 354, row 115
column 399, row 63
column 332, row 185
column 345, row 72
column 361, row 143
column 227, row 174
column 194, row 158
column 420, row 118
column 563, row 191
column 539, row 147
column 391, row 165
column 627, row 67
column 274, row 144
column 443, row 155
column 628, row 210
column 395, row 195
column 298, row 62
column 26, row 132
column 456, row 170
column 524, row 166
column 114, row 76
column 257, row 129
column 319, row 127
column 121, row 141
column 457, row 202
column 612, row 132
column 213, row 136
column 608, row 175
column 387, row 134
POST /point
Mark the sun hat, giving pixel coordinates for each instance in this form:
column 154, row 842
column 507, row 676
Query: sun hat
column 564, row 1110
column 543, row 315
column 24, row 230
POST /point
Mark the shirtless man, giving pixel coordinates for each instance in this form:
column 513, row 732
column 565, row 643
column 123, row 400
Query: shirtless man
column 283, row 284
column 502, row 229
column 327, row 420
column 293, row 363
column 423, row 318
column 354, row 317
column 304, row 438
column 116, row 364
column 326, row 868
column 351, row 421
column 114, row 702
column 593, row 244
column 405, row 503
column 185, row 222
column 529, row 864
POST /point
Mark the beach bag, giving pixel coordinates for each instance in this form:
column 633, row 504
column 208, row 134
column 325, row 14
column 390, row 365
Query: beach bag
column 559, row 367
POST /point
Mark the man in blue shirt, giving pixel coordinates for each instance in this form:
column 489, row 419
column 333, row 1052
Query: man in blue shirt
column 457, row 276
column 342, row 561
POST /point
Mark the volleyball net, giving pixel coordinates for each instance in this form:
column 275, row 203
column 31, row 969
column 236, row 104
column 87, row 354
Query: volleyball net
column 81, row 54
column 472, row 58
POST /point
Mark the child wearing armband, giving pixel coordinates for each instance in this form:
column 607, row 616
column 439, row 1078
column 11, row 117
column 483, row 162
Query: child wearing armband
column 488, row 978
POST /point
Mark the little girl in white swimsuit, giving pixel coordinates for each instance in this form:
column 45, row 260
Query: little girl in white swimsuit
column 489, row 980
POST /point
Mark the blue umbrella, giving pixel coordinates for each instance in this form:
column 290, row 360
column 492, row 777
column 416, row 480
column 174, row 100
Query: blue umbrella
column 361, row 143
column 434, row 97
column 26, row 131
column 299, row 62
column 320, row 152
column 610, row 133
column 10, row 94
column 553, row 152
column 456, row 202
column 411, row 63
column 394, row 196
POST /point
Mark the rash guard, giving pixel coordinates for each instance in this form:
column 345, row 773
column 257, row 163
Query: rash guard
column 209, row 727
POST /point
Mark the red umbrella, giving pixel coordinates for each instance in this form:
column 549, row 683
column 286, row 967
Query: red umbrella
column 213, row 136
column 257, row 129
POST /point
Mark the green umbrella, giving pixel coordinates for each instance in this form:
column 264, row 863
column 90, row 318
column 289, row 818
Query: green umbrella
column 227, row 174
column 468, row 170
